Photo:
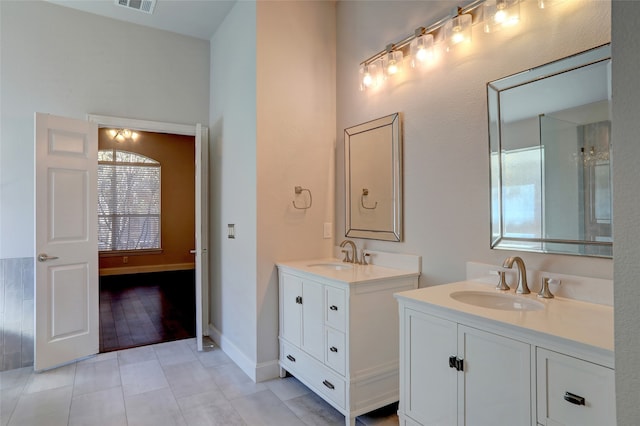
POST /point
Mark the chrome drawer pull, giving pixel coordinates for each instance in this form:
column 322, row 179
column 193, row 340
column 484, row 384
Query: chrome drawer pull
column 333, row 307
column 333, row 349
column 290, row 358
column 574, row 399
column 328, row 384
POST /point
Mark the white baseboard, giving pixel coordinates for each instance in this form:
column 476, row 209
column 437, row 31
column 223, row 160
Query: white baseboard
column 147, row 268
column 256, row 372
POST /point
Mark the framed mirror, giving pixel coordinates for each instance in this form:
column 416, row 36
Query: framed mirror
column 373, row 179
column 550, row 157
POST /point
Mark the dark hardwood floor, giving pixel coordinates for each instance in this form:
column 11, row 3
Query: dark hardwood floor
column 141, row 309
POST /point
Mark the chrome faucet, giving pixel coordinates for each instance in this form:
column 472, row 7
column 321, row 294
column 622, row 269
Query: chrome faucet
column 354, row 251
column 522, row 273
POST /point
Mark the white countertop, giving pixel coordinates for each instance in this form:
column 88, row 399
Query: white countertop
column 582, row 322
column 353, row 275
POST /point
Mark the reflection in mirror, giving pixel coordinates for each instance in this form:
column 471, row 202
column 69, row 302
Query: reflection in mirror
column 373, row 179
column 550, row 144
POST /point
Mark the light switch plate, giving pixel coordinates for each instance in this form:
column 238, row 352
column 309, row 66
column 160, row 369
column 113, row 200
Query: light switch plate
column 327, row 230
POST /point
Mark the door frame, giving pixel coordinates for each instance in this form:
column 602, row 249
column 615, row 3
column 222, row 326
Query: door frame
column 201, row 134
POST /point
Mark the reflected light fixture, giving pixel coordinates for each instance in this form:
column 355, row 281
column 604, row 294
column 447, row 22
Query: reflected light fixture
column 457, row 30
column 421, row 48
column 500, row 13
column 122, row 135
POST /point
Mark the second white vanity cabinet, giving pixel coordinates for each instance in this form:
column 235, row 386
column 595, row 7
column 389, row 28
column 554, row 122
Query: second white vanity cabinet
column 455, row 374
column 469, row 365
column 339, row 332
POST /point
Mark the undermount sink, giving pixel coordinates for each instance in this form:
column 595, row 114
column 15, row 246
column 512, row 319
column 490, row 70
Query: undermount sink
column 331, row 266
column 501, row 301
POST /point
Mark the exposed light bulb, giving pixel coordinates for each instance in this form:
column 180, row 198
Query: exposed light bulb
column 367, row 80
column 457, row 36
column 392, row 68
column 500, row 16
column 421, row 48
column 422, row 54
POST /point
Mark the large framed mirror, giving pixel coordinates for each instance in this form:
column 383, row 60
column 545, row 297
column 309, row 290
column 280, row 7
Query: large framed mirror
column 373, row 179
column 550, row 157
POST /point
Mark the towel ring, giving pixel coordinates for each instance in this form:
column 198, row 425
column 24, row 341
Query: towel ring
column 365, row 192
column 299, row 190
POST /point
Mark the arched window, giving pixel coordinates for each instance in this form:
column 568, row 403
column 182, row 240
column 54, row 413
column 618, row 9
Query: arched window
column 128, row 201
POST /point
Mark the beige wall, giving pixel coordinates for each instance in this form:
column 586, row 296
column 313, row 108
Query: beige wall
column 273, row 128
column 446, row 166
column 176, row 155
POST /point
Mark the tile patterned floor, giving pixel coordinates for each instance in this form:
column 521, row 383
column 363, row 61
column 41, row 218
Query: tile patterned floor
column 164, row 384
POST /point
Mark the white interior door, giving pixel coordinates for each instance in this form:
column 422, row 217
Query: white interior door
column 202, row 232
column 66, row 241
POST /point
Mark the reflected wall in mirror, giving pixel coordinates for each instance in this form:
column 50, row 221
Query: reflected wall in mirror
column 373, row 179
column 550, row 146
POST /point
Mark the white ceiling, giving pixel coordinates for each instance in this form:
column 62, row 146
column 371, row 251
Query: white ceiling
column 195, row 18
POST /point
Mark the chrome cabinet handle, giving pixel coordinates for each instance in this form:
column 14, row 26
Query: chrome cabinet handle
column 43, row 257
column 290, row 358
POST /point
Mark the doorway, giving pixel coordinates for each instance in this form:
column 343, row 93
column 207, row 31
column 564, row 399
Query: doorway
column 146, row 237
column 201, row 135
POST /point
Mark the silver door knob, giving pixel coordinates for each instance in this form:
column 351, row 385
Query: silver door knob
column 43, row 257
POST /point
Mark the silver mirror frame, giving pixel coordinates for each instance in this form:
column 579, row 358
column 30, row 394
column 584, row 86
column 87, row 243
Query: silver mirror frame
column 540, row 245
column 395, row 233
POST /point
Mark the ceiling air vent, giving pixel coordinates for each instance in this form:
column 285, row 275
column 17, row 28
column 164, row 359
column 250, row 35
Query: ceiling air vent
column 145, row 6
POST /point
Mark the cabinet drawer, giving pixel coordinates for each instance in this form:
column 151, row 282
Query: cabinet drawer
column 574, row 392
column 318, row 376
column 335, row 313
column 331, row 385
column 336, row 351
column 292, row 359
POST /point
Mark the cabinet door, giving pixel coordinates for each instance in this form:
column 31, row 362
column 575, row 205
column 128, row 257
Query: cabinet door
column 429, row 393
column 291, row 315
column 496, row 385
column 313, row 319
column 574, row 392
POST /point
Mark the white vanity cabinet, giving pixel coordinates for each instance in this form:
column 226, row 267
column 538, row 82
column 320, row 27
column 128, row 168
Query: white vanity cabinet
column 339, row 336
column 452, row 374
column 468, row 365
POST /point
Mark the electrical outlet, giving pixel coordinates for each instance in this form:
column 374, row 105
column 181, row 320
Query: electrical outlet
column 327, row 230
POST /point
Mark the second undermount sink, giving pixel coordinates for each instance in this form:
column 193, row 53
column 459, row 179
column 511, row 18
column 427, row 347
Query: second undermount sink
column 501, row 301
column 331, row 266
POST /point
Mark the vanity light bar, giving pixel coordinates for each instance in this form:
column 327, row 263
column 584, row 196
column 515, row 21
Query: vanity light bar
column 471, row 8
column 453, row 29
